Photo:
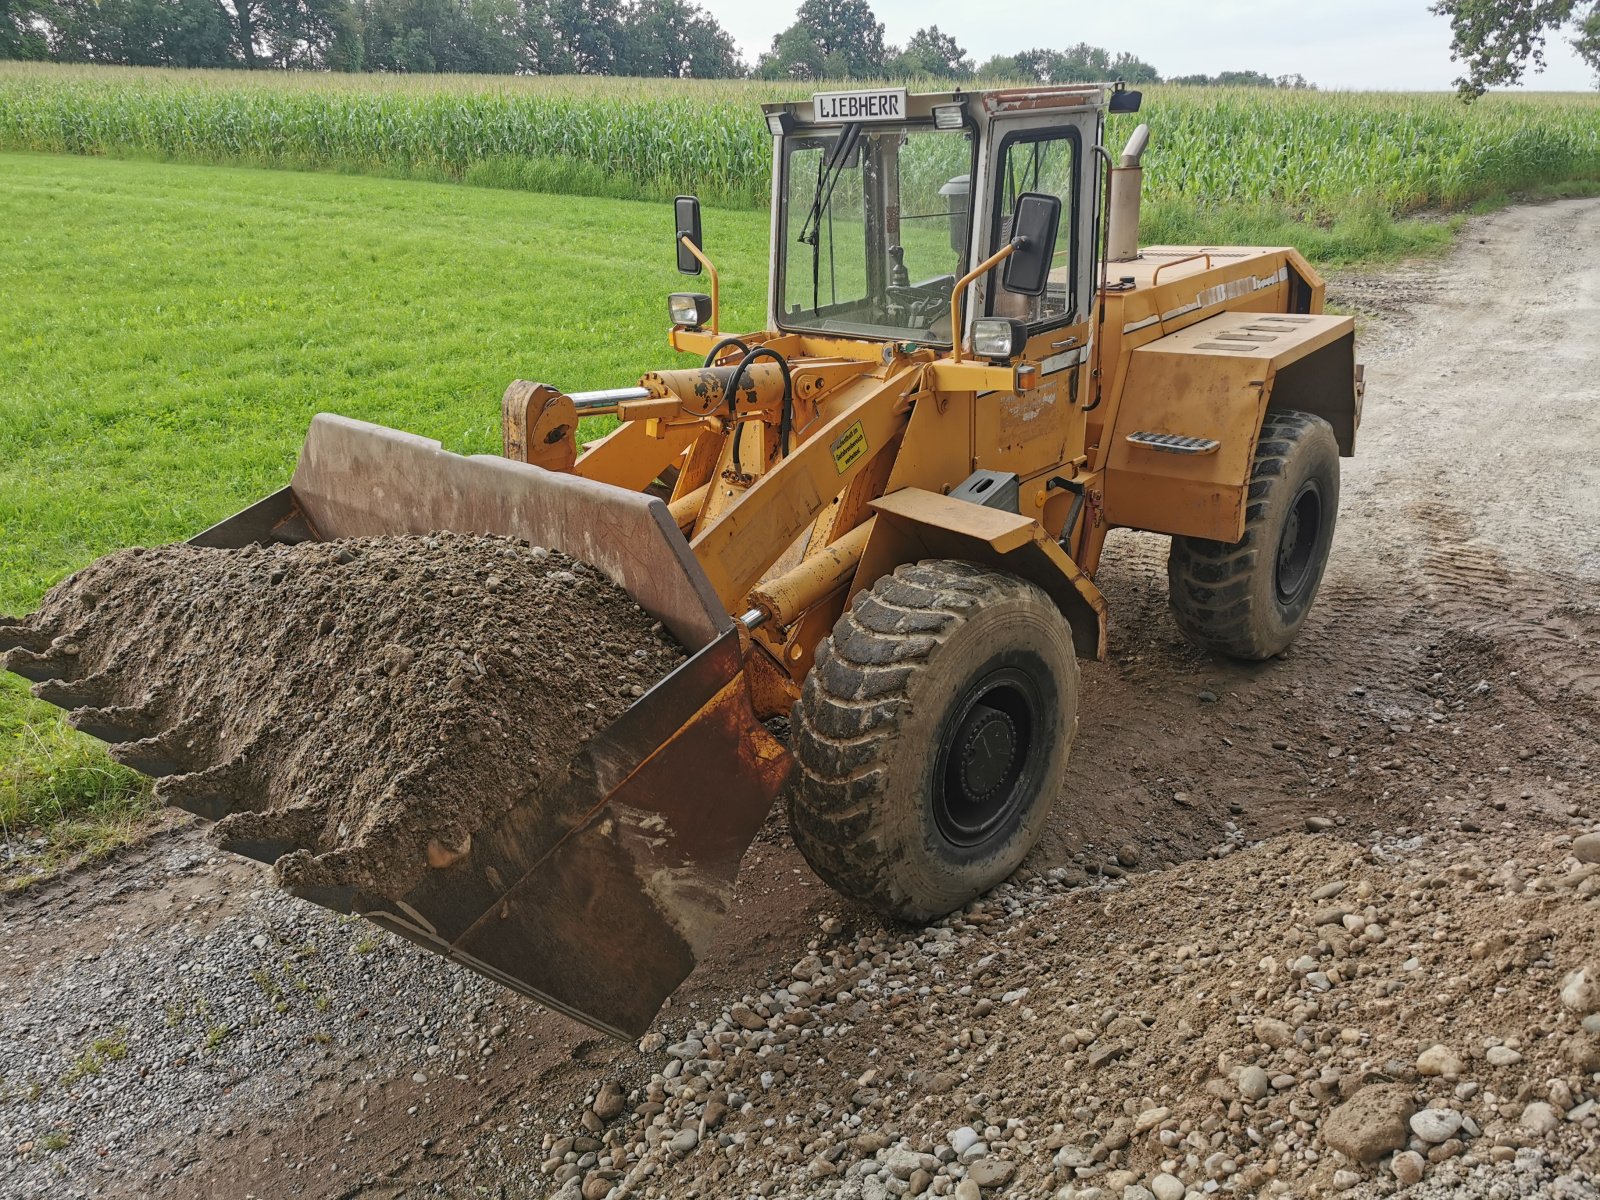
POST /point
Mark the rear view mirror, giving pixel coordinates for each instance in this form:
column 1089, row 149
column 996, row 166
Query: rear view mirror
column 686, row 210
column 1033, row 232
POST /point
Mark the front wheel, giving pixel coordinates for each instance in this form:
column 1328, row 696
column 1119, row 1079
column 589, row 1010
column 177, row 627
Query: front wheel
column 1249, row 599
column 931, row 737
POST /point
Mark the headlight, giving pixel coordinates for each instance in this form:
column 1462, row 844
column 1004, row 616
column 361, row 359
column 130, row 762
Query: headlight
column 998, row 338
column 689, row 309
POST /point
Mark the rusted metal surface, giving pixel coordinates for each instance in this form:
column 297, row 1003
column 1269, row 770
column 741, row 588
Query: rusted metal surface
column 361, row 480
column 599, row 901
column 539, row 425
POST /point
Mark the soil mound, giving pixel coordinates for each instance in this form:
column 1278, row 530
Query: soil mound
column 360, row 706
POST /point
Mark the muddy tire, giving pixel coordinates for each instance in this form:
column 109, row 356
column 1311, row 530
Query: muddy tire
column 931, row 737
column 1249, row 599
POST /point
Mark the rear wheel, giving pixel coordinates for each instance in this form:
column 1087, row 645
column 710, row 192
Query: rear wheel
column 931, row 736
column 1248, row 599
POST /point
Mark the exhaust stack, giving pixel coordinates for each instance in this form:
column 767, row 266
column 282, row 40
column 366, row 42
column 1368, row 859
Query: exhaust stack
column 1127, row 181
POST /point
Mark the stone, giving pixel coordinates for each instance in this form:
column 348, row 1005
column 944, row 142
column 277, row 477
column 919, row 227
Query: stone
column 919, row 1182
column 904, row 1163
column 1345, row 1179
column 1274, row 1033
column 1587, row 848
column 747, row 1018
column 961, row 1139
column 1253, row 1083
column 1580, row 990
column 1320, row 824
column 967, row 1190
column 991, row 1172
column 608, row 1105
column 1539, row 1118
column 1167, row 1187
column 1408, row 1167
column 684, row 1141
column 1150, row 1118
column 1128, row 855
column 1436, row 1125
column 1439, row 1060
column 596, row 1187
column 1502, row 1056
column 1371, row 1123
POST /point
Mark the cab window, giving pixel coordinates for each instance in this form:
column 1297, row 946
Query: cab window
column 1044, row 161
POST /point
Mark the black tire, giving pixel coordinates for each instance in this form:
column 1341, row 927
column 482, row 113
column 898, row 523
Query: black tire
column 1248, row 599
column 931, row 737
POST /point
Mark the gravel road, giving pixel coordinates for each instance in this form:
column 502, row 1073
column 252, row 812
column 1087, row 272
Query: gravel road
column 1183, row 992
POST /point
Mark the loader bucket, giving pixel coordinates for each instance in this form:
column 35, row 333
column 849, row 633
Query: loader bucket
column 596, row 900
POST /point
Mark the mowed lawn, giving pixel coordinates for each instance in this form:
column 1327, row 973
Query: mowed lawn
column 167, row 333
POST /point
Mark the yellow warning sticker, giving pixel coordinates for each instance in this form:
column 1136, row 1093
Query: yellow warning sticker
column 849, row 446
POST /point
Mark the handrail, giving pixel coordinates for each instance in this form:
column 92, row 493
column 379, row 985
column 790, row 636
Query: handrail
column 1205, row 254
column 977, row 272
column 716, row 307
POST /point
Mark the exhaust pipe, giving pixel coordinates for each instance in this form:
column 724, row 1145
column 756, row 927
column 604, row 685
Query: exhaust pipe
column 1127, row 181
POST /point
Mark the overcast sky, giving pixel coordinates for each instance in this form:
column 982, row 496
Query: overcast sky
column 1366, row 44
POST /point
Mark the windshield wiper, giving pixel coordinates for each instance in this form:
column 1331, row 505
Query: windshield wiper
column 827, row 178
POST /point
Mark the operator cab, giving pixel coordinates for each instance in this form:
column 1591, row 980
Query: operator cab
column 876, row 218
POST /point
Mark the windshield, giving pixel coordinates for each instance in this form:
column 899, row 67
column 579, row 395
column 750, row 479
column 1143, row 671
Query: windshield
column 874, row 230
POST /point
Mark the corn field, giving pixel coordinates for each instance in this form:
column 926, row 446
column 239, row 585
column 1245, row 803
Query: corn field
column 1316, row 154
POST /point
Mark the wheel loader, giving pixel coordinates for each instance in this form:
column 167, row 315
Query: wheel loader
column 879, row 519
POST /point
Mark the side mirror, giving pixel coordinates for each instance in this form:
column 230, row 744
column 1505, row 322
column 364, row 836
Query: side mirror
column 686, row 211
column 1033, row 232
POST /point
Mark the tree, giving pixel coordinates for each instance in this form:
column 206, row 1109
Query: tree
column 677, row 39
column 931, row 54
column 22, row 31
column 574, row 37
column 1244, row 79
column 1082, row 63
column 1498, row 39
column 830, row 39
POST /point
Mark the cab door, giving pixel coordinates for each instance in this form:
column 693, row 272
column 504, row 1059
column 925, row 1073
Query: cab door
column 1035, row 433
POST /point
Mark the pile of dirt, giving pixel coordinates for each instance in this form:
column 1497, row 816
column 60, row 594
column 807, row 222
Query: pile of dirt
column 357, row 709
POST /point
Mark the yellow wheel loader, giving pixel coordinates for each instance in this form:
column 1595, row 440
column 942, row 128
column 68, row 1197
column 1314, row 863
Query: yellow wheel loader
column 880, row 517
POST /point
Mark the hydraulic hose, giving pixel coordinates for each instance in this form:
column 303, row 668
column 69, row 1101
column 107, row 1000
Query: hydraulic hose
column 711, row 355
column 786, row 413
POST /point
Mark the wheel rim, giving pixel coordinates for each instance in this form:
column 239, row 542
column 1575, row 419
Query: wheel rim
column 1297, row 546
column 985, row 748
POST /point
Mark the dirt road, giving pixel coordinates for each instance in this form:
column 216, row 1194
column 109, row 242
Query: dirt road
column 173, row 1027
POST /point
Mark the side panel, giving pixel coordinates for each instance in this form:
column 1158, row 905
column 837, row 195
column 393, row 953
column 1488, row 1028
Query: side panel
column 1214, row 381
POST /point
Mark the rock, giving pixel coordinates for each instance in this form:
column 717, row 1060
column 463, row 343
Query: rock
column 1136, row 1191
column 1539, row 1118
column 918, row 1183
column 1128, row 855
column 1328, row 890
column 1101, row 1055
column 962, row 1139
column 715, row 1113
column 1371, row 1123
column 596, row 1187
column 903, row 1163
column 1502, row 1056
column 991, row 1172
column 1436, row 1125
column 967, row 1190
column 1320, row 824
column 684, row 1141
column 1344, row 1179
column 1580, row 990
column 1274, row 1033
column 1150, row 1118
column 746, row 1017
column 1253, row 1083
column 1408, row 1167
column 608, row 1105
column 1587, row 848
column 1167, row 1187
column 1439, row 1060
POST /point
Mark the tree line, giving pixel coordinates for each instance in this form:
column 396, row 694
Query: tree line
column 828, row 40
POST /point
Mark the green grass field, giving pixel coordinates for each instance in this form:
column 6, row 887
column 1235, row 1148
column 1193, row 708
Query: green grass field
column 167, row 332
